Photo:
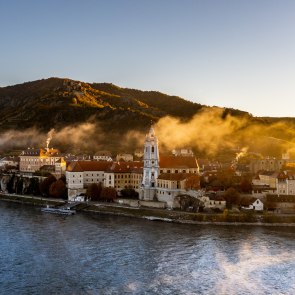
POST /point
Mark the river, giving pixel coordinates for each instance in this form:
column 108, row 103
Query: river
column 92, row 254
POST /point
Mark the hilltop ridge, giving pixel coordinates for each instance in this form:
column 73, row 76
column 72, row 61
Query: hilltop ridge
column 56, row 102
column 114, row 112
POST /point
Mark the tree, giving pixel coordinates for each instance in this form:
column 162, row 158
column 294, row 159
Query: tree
column 19, row 186
column 93, row 191
column 58, row 189
column 192, row 182
column 108, row 194
column 186, row 202
column 129, row 193
column 45, row 185
column 34, row 187
column 11, row 184
column 232, row 197
column 246, row 186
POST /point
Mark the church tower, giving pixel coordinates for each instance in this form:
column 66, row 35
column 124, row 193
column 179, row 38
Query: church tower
column 150, row 165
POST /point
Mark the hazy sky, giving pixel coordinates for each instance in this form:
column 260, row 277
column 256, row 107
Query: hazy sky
column 238, row 53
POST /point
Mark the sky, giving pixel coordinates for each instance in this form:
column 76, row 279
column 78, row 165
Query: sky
column 231, row 53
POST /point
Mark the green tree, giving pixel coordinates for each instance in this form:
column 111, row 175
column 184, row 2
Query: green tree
column 129, row 193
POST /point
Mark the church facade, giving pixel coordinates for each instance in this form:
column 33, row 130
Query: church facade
column 151, row 166
column 165, row 177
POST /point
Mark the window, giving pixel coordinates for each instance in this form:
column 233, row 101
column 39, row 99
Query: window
column 153, row 149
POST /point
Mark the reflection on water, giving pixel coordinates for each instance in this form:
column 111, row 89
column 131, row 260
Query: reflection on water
column 48, row 254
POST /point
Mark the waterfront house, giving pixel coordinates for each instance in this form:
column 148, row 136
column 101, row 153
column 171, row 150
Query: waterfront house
column 252, row 204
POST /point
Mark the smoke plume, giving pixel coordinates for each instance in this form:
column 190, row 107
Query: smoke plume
column 49, row 137
column 208, row 132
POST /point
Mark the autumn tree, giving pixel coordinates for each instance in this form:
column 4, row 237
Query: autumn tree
column 58, row 189
column 45, row 185
column 232, row 197
column 108, row 194
column 93, row 191
column 246, row 186
column 192, row 182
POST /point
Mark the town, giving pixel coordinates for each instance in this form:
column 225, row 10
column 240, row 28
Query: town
column 149, row 179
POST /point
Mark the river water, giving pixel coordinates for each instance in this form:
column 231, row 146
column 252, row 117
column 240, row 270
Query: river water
column 47, row 254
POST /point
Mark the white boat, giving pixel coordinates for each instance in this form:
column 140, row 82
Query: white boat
column 62, row 211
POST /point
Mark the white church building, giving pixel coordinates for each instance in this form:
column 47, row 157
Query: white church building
column 165, row 177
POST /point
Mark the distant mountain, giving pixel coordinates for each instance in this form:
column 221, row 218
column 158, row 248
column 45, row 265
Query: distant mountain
column 58, row 103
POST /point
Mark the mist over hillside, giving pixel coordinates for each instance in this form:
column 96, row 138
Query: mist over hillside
column 87, row 117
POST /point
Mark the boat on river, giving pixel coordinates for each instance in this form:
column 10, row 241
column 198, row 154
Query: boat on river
column 62, row 211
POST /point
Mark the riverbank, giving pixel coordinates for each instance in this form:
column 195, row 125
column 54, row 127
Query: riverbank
column 174, row 216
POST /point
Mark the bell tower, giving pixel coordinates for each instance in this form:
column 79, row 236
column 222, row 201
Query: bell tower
column 150, row 165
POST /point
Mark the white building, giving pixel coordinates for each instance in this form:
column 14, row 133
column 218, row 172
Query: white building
column 285, row 184
column 213, row 201
column 150, row 166
column 124, row 157
column 253, row 204
column 81, row 174
column 185, row 152
column 170, row 185
column 103, row 156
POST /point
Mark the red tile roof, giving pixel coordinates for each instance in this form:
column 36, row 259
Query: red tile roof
column 81, row 166
column 126, row 167
column 175, row 176
column 178, row 162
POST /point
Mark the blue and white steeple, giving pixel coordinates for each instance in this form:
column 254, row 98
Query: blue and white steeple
column 151, row 160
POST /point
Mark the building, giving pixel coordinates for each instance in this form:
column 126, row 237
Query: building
column 252, row 204
column 184, row 152
column 285, row 184
column 170, row 185
column 31, row 160
column 179, row 164
column 138, row 153
column 103, row 156
column 122, row 175
column 124, row 157
column 165, row 177
column 81, row 174
column 267, row 164
column 265, row 178
column 281, row 204
column 213, row 201
column 150, row 166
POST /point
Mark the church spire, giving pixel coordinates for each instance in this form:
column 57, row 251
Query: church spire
column 151, row 163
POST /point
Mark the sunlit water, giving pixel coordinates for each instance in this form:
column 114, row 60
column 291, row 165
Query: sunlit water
column 47, row 254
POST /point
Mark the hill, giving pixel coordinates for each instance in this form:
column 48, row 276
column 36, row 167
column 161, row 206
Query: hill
column 64, row 104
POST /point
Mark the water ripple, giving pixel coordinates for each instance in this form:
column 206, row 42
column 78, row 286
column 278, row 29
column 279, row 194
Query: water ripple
column 47, row 254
